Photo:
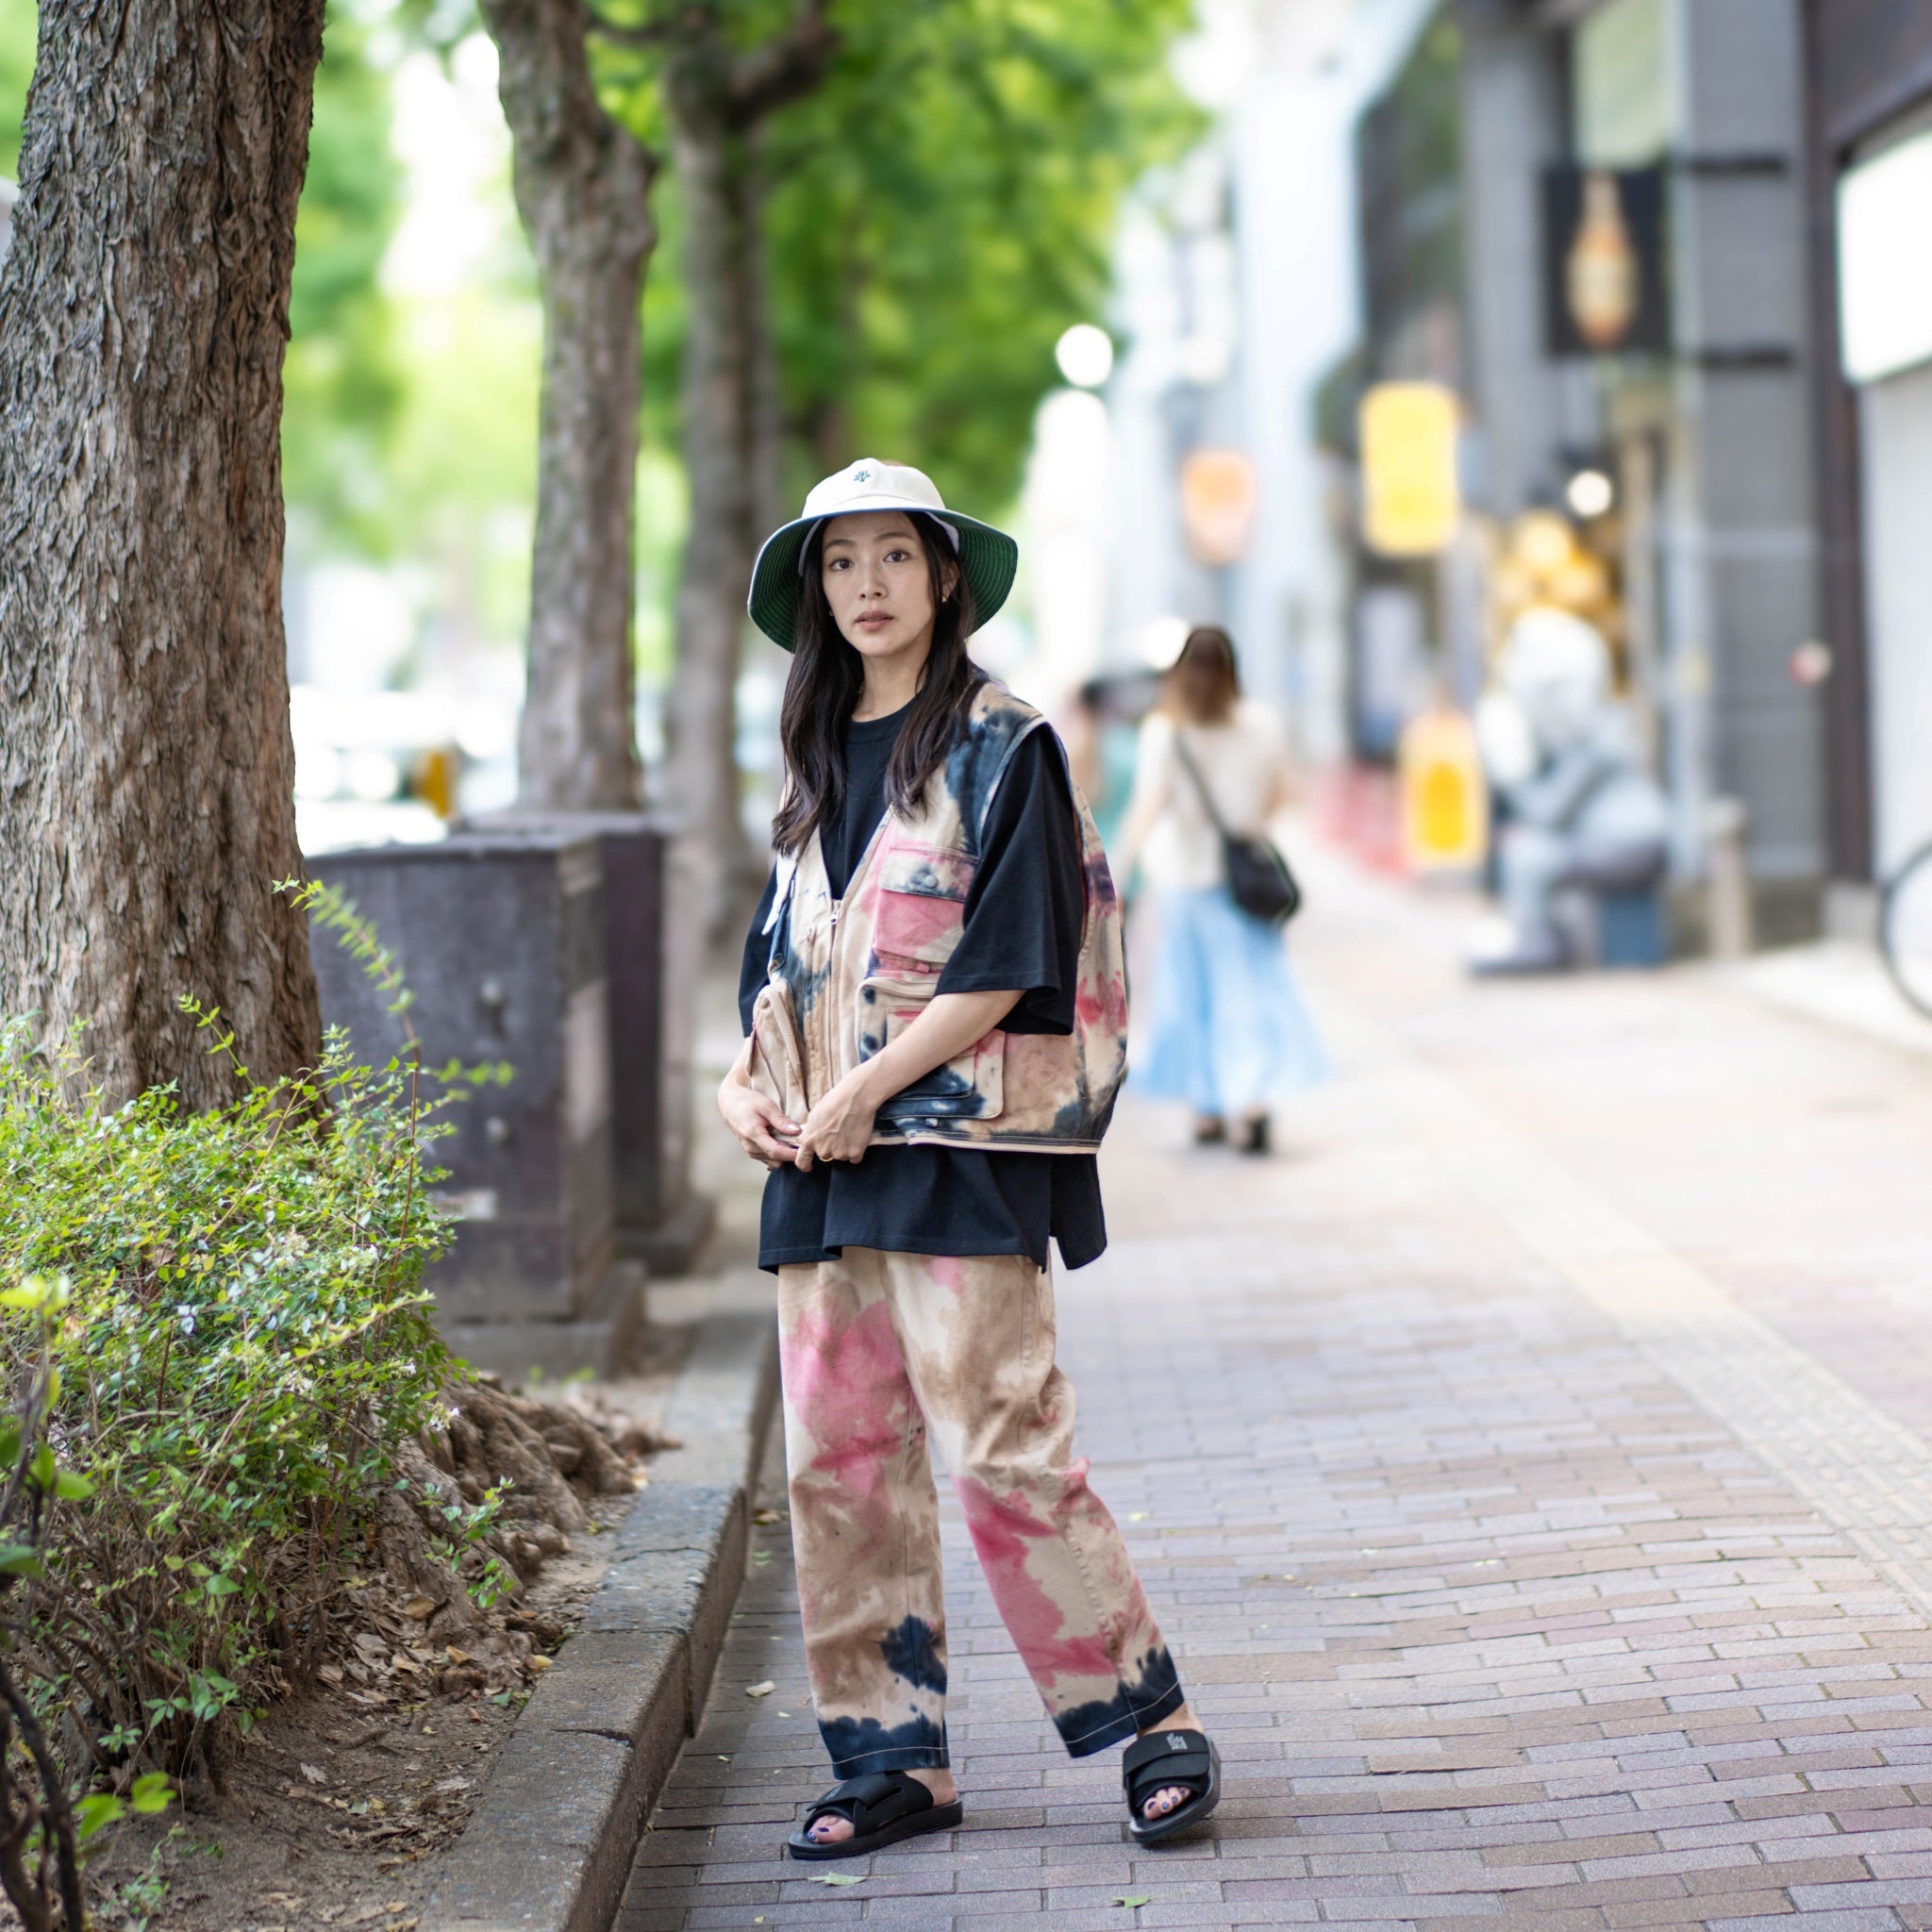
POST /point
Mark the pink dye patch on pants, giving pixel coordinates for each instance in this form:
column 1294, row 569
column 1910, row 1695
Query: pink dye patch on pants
column 1013, row 1544
column 847, row 1382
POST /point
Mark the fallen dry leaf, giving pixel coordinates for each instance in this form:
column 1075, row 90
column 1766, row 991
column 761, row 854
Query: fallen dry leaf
column 538, row 1661
column 763, row 1689
column 314, row 1775
column 419, row 1606
column 836, row 1878
column 768, row 1516
column 330, row 1674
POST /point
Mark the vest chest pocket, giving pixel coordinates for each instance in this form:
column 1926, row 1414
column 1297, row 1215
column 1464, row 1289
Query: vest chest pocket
column 969, row 1086
column 918, row 909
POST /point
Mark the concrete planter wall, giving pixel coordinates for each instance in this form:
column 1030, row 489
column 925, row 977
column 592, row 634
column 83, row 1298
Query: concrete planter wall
column 652, row 956
column 542, row 943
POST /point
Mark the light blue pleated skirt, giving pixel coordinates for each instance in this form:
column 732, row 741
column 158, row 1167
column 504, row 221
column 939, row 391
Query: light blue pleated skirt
column 1229, row 1033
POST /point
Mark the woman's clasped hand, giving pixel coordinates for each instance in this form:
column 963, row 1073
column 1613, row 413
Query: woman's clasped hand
column 758, row 1125
column 838, row 1128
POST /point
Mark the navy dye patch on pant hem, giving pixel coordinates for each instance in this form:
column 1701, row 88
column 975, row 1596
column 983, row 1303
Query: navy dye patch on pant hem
column 912, row 1652
column 1133, row 1707
column 859, row 1746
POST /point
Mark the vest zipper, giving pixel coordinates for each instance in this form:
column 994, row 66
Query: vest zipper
column 821, row 1007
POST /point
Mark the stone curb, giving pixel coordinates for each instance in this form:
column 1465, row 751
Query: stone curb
column 549, row 1846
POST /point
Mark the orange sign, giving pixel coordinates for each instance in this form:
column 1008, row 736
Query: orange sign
column 1217, row 504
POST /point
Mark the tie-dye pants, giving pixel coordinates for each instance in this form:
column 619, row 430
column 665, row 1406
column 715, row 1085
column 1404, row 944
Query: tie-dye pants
column 879, row 1349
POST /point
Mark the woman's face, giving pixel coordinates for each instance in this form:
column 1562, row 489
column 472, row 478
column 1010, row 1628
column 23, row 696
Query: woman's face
column 875, row 571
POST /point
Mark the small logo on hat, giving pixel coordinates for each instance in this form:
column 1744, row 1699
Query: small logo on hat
column 1175, row 1741
column 861, row 476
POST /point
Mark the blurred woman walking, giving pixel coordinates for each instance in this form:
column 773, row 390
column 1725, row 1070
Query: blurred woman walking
column 1230, row 1035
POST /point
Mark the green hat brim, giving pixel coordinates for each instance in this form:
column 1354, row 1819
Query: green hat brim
column 988, row 561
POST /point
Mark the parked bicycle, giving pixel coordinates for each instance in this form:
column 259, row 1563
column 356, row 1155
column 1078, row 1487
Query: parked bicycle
column 1905, row 928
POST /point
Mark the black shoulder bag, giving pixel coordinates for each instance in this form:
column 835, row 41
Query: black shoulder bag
column 1257, row 875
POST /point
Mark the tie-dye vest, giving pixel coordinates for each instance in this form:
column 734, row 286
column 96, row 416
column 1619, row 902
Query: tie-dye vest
column 848, row 976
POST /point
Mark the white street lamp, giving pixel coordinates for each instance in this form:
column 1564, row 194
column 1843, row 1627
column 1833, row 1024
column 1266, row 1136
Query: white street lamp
column 1085, row 355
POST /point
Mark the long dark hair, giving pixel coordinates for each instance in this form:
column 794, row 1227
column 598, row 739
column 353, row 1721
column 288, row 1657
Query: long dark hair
column 1204, row 682
column 827, row 676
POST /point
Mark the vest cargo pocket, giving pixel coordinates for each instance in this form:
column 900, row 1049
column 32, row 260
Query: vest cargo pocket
column 969, row 1086
column 777, row 1053
column 918, row 910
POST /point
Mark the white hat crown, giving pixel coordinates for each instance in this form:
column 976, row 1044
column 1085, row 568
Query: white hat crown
column 869, row 484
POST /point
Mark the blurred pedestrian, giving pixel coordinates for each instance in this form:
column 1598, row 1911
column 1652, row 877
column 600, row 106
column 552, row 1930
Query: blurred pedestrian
column 935, row 1003
column 1100, row 748
column 1230, row 1035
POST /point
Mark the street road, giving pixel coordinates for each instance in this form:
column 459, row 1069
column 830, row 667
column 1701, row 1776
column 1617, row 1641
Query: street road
column 1531, row 1466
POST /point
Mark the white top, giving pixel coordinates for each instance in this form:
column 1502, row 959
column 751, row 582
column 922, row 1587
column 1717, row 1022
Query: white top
column 1242, row 762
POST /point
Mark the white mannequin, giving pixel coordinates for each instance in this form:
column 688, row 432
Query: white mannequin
column 1583, row 812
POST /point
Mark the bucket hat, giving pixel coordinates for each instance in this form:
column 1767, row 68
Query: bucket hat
column 988, row 558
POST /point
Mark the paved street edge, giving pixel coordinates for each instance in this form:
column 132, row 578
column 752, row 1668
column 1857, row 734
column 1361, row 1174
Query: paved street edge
column 1860, row 1469
column 549, row 1846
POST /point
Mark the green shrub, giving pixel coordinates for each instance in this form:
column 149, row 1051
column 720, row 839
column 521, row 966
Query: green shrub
column 243, row 1342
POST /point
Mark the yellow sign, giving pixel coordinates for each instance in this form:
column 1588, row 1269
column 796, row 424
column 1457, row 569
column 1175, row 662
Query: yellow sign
column 1410, row 498
column 1445, row 801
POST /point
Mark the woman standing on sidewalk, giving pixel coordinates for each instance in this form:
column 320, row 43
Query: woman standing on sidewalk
column 1230, row 1034
column 935, row 1009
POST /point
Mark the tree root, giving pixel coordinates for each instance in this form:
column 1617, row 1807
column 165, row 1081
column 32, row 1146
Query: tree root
column 551, row 1459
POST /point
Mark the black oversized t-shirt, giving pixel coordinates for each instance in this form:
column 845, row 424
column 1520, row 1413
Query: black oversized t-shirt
column 1022, row 920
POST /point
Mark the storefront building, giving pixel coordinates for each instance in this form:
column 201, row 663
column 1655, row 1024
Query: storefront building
column 1869, row 67
column 1611, row 268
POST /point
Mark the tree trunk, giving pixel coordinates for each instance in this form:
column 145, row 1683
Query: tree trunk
column 583, row 188
column 716, row 577
column 146, row 769
column 766, row 427
column 717, row 99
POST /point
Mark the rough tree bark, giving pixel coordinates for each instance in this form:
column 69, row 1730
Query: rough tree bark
column 583, row 187
column 717, row 99
column 146, row 769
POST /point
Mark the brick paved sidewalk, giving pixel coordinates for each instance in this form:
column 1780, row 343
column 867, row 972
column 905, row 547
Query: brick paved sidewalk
column 1525, row 1558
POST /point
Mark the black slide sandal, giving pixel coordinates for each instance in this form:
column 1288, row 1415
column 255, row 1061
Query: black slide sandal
column 1161, row 1759
column 884, row 1807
